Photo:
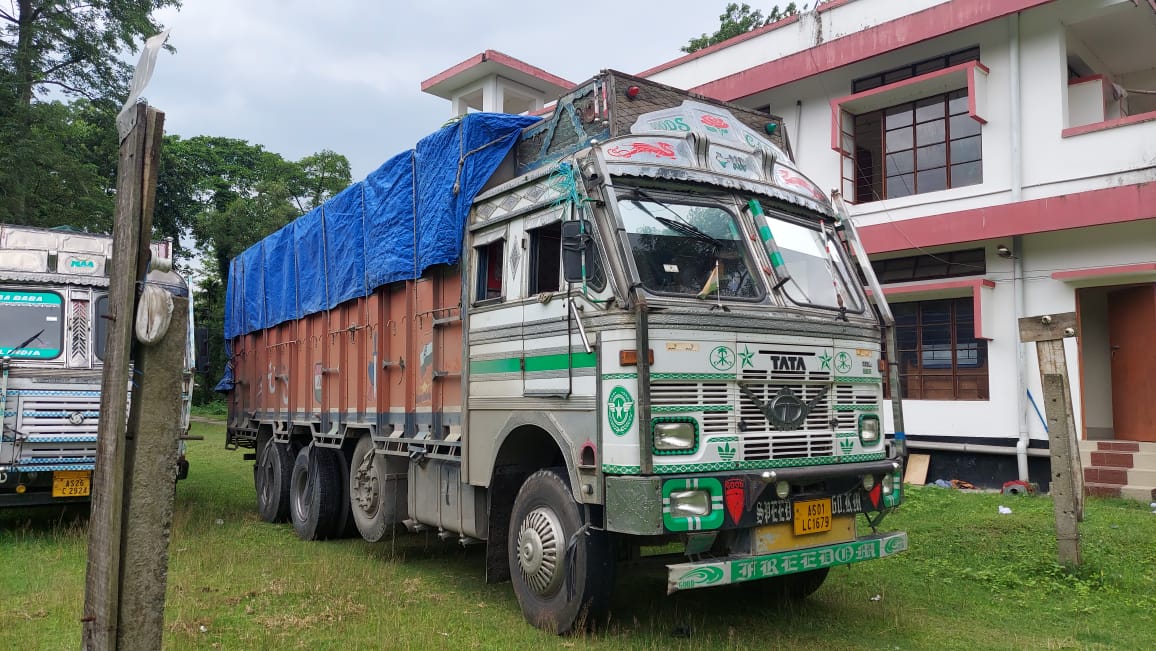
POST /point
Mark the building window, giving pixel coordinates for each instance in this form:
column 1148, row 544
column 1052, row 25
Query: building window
column 939, row 356
column 915, row 69
column 489, row 281
column 933, row 266
column 915, row 147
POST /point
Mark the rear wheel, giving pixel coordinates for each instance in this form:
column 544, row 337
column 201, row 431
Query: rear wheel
column 271, row 476
column 370, row 497
column 316, row 494
column 562, row 571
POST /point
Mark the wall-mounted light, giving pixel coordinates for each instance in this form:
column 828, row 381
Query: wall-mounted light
column 1003, row 252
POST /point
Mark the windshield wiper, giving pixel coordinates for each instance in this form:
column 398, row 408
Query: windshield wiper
column 681, row 226
column 24, row 343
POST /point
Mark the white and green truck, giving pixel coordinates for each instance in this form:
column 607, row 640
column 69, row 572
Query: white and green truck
column 53, row 331
column 638, row 325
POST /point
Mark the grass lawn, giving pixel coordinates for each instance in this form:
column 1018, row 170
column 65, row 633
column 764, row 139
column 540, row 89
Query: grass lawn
column 972, row 579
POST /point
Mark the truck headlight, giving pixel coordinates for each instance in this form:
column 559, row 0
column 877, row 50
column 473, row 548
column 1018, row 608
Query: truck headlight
column 690, row 504
column 693, row 504
column 869, row 429
column 675, row 436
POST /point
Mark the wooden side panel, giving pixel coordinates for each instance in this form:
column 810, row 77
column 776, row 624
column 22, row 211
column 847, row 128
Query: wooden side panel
column 315, row 361
column 423, row 349
column 396, row 400
column 279, row 351
column 391, row 357
column 448, row 340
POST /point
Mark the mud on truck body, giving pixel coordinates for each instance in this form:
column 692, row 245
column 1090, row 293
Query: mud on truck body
column 634, row 322
column 53, row 332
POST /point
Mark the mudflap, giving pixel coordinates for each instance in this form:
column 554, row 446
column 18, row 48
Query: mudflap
column 736, row 569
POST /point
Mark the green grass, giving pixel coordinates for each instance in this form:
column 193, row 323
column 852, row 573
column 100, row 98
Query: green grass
column 973, row 579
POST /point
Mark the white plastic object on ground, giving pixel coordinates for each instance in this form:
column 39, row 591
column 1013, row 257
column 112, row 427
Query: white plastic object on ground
column 1003, row 510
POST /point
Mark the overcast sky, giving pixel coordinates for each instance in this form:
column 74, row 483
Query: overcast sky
column 300, row 76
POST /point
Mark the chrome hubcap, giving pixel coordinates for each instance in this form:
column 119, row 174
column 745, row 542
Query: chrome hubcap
column 540, row 545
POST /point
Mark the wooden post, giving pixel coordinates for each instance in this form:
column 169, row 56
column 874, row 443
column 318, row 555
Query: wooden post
column 132, row 228
column 151, row 474
column 1067, row 483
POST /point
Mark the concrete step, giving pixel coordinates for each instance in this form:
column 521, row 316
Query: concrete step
column 1103, row 490
column 1119, row 445
column 1141, row 477
column 1141, row 493
column 1115, row 459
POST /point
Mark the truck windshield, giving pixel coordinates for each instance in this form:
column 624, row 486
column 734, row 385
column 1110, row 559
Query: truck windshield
column 818, row 274
column 686, row 248
column 30, row 324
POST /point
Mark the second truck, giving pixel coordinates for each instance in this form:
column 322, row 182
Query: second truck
column 632, row 323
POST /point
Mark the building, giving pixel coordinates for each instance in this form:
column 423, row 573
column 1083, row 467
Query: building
column 999, row 157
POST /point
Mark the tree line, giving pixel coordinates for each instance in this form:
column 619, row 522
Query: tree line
column 62, row 81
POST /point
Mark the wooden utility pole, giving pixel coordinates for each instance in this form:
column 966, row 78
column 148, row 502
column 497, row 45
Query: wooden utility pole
column 1067, row 486
column 135, row 475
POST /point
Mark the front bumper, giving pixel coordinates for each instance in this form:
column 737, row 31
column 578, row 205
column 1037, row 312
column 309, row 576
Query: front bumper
column 737, row 569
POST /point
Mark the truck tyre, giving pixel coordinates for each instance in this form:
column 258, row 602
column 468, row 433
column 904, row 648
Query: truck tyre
column 562, row 571
column 367, row 491
column 271, row 475
column 316, row 493
column 796, row 587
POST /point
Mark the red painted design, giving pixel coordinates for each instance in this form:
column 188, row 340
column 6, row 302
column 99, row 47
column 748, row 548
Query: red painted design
column 876, row 495
column 661, row 150
column 734, row 492
column 789, row 178
column 716, row 122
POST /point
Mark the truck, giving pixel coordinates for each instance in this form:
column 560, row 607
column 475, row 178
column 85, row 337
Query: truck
column 53, row 335
column 629, row 330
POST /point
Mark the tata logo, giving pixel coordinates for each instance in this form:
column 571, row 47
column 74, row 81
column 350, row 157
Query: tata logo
column 81, row 263
column 788, row 363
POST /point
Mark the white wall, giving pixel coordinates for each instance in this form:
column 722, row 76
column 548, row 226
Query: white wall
column 1051, row 164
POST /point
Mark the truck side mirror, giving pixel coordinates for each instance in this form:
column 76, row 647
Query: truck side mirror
column 201, row 338
column 577, row 239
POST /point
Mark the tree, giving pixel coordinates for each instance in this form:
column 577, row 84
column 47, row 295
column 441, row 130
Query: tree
column 59, row 168
column 58, row 160
column 740, row 19
column 231, row 194
column 73, row 45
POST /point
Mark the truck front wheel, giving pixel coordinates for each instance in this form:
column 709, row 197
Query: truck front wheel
column 562, row 570
column 316, row 494
column 271, row 474
column 795, row 587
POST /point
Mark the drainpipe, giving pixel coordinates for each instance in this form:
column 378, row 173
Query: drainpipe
column 1016, row 126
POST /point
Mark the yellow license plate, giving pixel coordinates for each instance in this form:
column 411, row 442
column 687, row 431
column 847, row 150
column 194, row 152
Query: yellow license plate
column 71, row 483
column 812, row 516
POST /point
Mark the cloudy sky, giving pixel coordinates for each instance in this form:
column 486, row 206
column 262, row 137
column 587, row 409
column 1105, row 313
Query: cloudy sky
column 300, row 76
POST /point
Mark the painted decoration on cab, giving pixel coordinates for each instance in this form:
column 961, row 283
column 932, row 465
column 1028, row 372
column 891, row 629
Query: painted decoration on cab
column 658, row 150
column 620, row 411
column 792, row 180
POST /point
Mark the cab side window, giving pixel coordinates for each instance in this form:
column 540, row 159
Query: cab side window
column 490, row 258
column 546, row 259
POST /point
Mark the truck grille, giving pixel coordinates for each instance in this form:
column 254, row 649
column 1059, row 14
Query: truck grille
column 722, row 409
column 38, row 421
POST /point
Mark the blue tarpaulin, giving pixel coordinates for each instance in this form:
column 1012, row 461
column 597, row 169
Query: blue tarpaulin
column 406, row 216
